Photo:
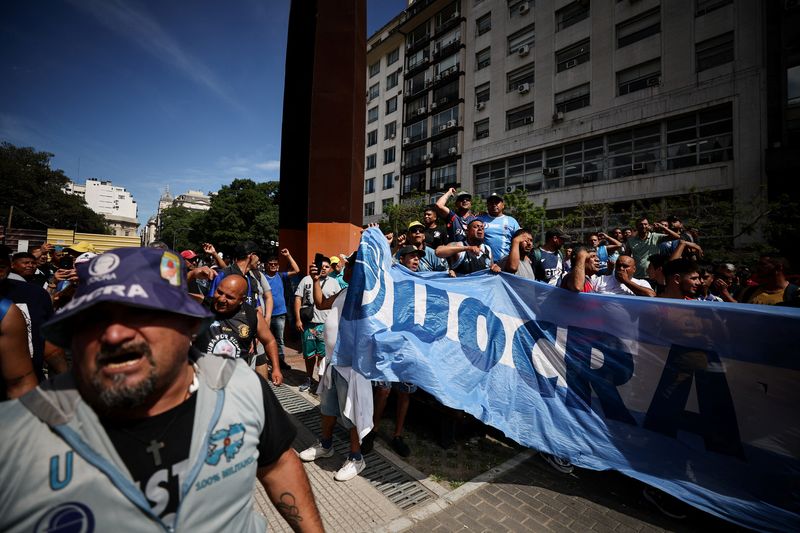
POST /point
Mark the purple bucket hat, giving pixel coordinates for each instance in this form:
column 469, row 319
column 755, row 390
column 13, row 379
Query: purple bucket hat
column 147, row 278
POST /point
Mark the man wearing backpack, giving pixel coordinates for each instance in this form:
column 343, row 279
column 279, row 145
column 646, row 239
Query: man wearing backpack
column 548, row 259
column 281, row 287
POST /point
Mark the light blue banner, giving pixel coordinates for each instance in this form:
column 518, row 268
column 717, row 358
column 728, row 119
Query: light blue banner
column 696, row 398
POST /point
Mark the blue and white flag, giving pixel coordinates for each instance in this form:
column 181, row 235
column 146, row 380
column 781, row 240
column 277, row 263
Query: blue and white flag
column 697, row 399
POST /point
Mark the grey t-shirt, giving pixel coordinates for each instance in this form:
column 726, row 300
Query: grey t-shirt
column 525, row 269
column 305, row 291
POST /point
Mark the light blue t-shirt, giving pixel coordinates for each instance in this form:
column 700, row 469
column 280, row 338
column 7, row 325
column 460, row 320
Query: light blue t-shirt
column 429, row 262
column 498, row 232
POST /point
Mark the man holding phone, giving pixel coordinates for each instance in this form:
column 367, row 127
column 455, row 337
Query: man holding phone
column 309, row 320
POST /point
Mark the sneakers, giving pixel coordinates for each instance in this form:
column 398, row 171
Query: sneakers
column 316, row 451
column 668, row 505
column 400, row 447
column 558, row 464
column 305, row 386
column 350, row 469
column 368, row 442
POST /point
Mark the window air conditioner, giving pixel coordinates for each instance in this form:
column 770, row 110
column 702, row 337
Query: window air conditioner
column 452, row 151
column 443, row 127
column 421, row 110
column 550, row 172
column 527, row 120
column 511, row 188
column 451, row 124
column 393, row 136
column 654, row 81
column 523, row 88
column 427, row 157
column 558, row 116
column 433, row 105
column 428, row 81
column 480, row 105
column 637, row 167
column 437, row 77
column 571, row 63
column 523, row 50
column 524, row 8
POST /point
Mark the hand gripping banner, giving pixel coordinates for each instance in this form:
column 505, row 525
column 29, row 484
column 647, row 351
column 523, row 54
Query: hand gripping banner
column 698, row 399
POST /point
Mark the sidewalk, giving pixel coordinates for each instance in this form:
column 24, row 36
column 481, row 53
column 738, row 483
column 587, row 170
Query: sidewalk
column 523, row 494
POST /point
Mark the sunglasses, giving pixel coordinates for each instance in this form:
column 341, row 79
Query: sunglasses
column 416, row 230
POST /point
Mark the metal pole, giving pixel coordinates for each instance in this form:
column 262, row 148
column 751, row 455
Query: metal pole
column 8, row 225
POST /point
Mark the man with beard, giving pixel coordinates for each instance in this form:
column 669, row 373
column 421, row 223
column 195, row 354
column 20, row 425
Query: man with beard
column 138, row 437
column 456, row 220
column 518, row 261
column 472, row 255
column 235, row 326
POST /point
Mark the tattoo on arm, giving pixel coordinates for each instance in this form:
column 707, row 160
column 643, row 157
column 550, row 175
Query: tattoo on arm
column 286, row 505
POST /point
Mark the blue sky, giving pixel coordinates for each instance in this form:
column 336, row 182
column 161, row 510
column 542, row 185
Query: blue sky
column 148, row 94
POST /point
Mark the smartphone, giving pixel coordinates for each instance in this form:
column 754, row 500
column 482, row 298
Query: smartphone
column 318, row 258
column 66, row 262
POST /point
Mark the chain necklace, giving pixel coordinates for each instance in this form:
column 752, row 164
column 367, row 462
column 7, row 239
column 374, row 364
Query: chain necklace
column 154, row 445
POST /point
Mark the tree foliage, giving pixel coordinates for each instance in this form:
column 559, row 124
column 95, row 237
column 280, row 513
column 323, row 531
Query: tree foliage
column 35, row 190
column 244, row 210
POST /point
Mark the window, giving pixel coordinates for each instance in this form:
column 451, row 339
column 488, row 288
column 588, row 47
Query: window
column 445, row 119
column 445, row 146
column 374, row 91
column 444, row 176
column 393, row 56
column 369, row 209
column 519, row 8
column 482, row 93
column 516, row 118
column 707, row 6
column 483, row 24
column 417, row 35
column 583, row 162
column 446, row 66
column 700, row 138
column 392, row 80
column 417, row 83
column 372, row 114
column 391, row 105
column 639, row 77
column 572, row 55
column 388, row 181
column 446, row 94
column 448, row 13
column 713, row 52
column 415, row 156
column 572, row 99
column 416, row 107
column 483, row 58
column 388, row 155
column 372, row 138
column 417, row 59
column 639, row 27
column 372, row 161
column 521, row 42
column 518, row 77
column 572, row 14
column 416, row 131
column 414, row 182
column 446, row 41
column 369, row 186
column 386, row 203
column 482, row 129
column 634, row 151
column 390, row 130
column 374, row 69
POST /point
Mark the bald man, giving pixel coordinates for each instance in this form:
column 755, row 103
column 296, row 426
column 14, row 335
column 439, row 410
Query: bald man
column 235, row 326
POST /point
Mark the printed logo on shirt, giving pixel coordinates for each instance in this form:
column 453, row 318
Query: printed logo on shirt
column 224, row 345
column 225, row 442
column 244, row 330
column 67, row 517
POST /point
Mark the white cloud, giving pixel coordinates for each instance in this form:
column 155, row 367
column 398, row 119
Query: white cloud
column 269, row 165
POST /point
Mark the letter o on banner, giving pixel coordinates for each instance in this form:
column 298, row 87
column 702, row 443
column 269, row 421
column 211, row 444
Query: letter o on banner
column 468, row 313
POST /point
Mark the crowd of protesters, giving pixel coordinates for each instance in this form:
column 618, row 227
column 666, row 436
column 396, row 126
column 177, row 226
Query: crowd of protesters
column 256, row 297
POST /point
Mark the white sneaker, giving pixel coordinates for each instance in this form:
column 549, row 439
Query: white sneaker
column 350, row 469
column 316, row 452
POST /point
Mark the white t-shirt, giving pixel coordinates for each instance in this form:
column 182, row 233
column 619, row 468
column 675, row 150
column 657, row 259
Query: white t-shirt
column 610, row 285
column 304, row 290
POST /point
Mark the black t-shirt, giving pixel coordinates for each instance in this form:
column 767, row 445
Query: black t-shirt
column 35, row 304
column 167, row 437
column 228, row 335
column 436, row 236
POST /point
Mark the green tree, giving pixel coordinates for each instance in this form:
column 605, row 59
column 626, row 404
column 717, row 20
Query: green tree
column 182, row 228
column 243, row 210
column 397, row 217
column 519, row 206
column 35, row 190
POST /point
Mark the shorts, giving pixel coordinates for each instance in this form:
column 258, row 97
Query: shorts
column 314, row 341
column 399, row 386
column 333, row 399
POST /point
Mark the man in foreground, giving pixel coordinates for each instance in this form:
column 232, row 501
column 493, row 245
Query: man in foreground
column 136, row 437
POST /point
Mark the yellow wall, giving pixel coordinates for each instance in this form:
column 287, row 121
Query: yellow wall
column 102, row 243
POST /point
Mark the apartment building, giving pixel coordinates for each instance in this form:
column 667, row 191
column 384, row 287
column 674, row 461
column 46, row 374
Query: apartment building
column 582, row 101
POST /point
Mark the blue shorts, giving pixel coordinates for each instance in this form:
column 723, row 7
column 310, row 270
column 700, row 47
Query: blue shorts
column 399, row 386
column 333, row 400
